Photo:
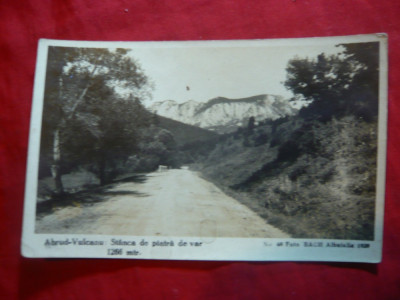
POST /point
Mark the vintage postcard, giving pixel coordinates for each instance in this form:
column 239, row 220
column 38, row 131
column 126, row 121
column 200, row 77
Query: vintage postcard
column 256, row 150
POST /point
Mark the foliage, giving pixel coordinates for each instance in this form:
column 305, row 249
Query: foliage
column 321, row 79
column 342, row 84
column 157, row 147
column 250, row 124
column 85, row 119
column 317, row 181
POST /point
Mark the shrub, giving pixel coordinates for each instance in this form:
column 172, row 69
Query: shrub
column 289, row 151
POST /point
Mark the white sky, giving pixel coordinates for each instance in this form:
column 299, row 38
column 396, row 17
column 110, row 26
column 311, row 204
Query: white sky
column 209, row 72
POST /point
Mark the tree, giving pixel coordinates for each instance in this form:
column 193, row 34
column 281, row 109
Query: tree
column 322, row 80
column 337, row 84
column 105, row 133
column 364, row 91
column 80, row 89
column 251, row 124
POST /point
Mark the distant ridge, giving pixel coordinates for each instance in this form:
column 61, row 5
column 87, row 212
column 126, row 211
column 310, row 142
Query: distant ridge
column 221, row 100
column 224, row 114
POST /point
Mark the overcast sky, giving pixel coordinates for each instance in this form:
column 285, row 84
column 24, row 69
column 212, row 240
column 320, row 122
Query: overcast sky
column 200, row 74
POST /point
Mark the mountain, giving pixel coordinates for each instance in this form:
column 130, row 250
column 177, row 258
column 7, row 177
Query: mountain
column 223, row 114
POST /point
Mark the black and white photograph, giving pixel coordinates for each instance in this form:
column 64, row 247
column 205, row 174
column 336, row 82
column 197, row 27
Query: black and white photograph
column 236, row 150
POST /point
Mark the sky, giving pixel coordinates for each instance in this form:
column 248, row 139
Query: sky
column 203, row 73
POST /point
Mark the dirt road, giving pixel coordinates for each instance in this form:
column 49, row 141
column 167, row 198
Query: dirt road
column 169, row 203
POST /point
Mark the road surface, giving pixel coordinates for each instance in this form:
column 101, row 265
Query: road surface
column 168, row 203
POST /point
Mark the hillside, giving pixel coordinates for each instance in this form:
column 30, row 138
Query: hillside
column 311, row 179
column 184, row 133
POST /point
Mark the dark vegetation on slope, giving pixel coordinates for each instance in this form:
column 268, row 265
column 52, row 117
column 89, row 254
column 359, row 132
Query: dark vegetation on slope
column 185, row 134
column 169, row 143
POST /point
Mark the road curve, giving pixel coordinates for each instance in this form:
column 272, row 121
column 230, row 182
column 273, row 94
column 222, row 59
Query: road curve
column 169, row 203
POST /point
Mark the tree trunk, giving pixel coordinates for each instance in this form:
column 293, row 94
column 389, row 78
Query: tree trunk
column 56, row 168
column 102, row 172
